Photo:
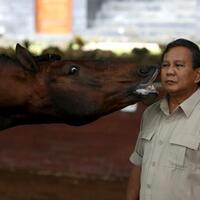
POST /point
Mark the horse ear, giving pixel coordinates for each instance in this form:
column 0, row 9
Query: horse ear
column 26, row 59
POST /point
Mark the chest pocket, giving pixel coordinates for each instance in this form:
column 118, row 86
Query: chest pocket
column 184, row 150
column 147, row 142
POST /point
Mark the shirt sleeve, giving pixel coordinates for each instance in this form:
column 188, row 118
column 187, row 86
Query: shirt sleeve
column 137, row 155
column 136, row 159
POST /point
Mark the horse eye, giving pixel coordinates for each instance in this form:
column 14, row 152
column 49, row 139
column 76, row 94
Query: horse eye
column 73, row 70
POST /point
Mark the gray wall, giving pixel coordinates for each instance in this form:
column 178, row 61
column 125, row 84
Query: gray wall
column 79, row 16
column 17, row 17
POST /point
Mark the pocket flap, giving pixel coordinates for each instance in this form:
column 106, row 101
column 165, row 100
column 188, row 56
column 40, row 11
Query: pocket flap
column 186, row 140
column 147, row 135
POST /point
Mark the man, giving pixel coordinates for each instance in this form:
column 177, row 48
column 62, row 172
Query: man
column 166, row 160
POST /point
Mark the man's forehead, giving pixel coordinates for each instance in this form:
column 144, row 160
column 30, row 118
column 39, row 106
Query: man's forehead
column 175, row 60
column 178, row 54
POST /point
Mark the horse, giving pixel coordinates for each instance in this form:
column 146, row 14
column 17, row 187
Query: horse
column 45, row 89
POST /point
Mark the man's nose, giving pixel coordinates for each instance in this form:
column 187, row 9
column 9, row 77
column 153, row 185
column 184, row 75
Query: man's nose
column 171, row 70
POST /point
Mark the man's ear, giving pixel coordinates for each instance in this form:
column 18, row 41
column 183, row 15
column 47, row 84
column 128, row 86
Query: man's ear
column 197, row 79
column 26, row 59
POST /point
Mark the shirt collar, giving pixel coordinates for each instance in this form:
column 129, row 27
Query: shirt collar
column 190, row 103
column 187, row 106
column 164, row 106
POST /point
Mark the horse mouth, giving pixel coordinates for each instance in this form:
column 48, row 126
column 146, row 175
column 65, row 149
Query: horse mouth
column 149, row 87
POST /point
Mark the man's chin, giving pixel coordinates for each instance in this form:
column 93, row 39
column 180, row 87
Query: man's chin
column 171, row 90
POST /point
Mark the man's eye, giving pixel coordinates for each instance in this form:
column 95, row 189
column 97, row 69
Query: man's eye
column 164, row 65
column 179, row 65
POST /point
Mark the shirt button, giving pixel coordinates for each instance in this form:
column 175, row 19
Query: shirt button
column 148, row 186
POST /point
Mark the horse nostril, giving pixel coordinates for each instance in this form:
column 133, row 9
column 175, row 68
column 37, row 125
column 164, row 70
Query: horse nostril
column 143, row 71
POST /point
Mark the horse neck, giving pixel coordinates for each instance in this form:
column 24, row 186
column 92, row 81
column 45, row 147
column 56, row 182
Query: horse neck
column 21, row 98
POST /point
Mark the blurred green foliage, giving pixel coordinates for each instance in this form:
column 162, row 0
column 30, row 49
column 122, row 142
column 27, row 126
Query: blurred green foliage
column 74, row 50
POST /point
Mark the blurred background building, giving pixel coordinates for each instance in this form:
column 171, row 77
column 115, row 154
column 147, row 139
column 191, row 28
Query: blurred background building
column 113, row 20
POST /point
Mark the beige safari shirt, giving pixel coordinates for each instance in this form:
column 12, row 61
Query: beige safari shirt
column 168, row 151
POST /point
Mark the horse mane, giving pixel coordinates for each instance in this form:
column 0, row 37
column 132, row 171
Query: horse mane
column 47, row 57
column 6, row 60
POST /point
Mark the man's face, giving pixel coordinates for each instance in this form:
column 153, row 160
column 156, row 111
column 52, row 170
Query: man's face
column 177, row 73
